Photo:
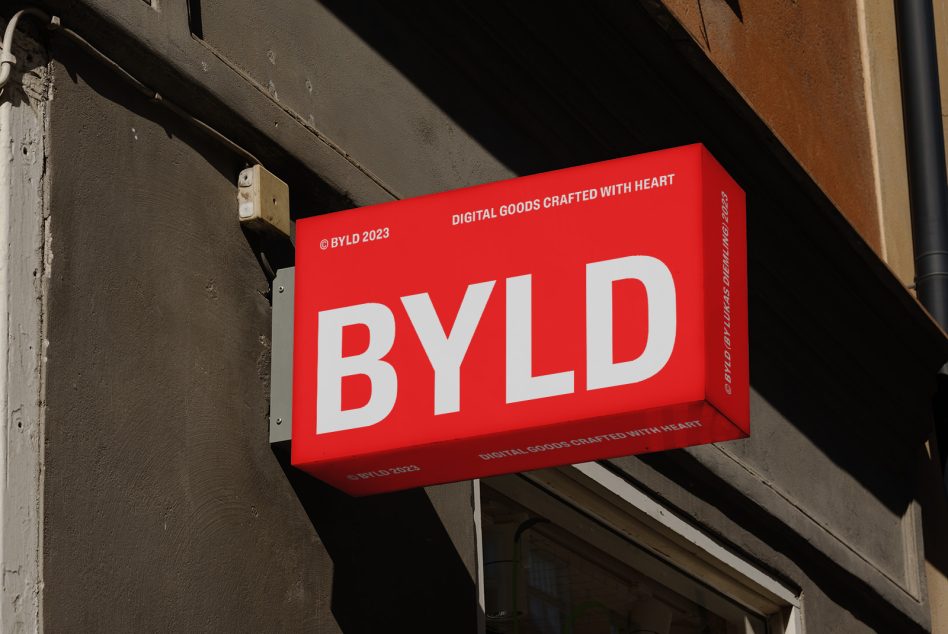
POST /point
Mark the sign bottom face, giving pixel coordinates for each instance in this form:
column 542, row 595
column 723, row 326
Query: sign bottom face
column 588, row 313
column 608, row 437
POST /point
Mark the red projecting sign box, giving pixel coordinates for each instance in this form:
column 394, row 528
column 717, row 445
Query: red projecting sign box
column 586, row 313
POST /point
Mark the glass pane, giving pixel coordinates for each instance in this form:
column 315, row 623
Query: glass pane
column 543, row 579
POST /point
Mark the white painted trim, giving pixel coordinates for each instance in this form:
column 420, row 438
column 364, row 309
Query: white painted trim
column 871, row 120
column 22, row 283
column 796, row 621
column 677, row 526
column 620, row 506
column 558, row 500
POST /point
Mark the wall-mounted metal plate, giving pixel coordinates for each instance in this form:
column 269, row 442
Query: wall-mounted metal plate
column 263, row 201
column 281, row 357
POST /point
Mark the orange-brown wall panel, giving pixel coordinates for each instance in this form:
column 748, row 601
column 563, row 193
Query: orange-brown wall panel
column 799, row 65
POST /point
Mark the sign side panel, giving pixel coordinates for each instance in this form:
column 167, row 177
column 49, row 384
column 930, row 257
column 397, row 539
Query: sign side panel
column 725, row 254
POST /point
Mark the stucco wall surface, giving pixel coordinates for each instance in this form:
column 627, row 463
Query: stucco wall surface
column 799, row 66
column 160, row 486
column 165, row 508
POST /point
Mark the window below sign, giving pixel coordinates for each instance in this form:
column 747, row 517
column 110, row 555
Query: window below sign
column 555, row 561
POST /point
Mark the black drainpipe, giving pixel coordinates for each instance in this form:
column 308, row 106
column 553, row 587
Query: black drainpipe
column 928, row 182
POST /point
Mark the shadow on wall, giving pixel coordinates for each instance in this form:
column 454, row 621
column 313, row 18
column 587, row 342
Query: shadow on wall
column 832, row 349
column 540, row 90
column 736, row 8
column 395, row 567
column 310, row 191
column 575, row 84
column 80, row 66
column 838, row 583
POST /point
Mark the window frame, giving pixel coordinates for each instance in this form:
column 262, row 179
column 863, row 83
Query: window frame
column 651, row 537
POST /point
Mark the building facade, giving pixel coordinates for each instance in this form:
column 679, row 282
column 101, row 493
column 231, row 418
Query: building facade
column 140, row 491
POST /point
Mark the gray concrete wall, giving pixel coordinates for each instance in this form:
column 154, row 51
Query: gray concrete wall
column 23, row 247
column 165, row 508
column 824, row 457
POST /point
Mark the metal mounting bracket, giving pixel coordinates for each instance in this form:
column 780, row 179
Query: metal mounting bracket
column 281, row 357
